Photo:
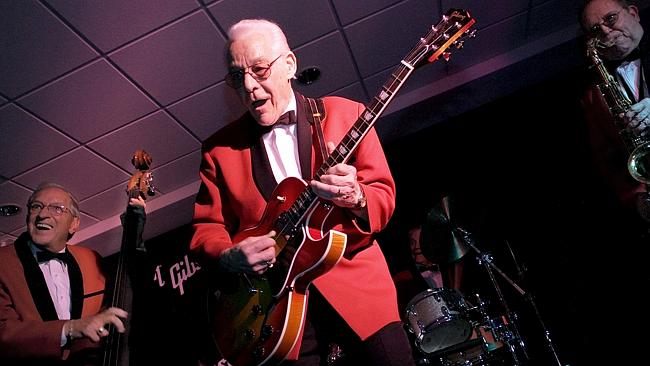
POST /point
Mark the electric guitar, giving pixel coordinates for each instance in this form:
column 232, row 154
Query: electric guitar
column 258, row 319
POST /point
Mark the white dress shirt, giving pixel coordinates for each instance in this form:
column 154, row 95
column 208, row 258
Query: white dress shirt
column 56, row 277
column 630, row 74
column 281, row 144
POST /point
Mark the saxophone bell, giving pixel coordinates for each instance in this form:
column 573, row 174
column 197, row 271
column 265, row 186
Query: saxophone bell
column 639, row 163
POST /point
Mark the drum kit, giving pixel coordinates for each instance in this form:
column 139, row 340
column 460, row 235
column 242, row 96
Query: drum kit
column 450, row 330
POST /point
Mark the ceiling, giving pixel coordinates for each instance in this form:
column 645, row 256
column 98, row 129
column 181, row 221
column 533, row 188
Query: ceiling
column 86, row 83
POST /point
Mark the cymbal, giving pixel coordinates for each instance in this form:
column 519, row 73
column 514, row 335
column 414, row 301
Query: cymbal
column 440, row 241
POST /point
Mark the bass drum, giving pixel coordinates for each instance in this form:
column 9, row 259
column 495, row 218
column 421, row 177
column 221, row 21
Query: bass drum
column 437, row 318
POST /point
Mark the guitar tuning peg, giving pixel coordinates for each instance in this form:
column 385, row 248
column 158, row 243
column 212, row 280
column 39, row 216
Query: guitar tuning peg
column 459, row 44
column 472, row 33
column 446, row 55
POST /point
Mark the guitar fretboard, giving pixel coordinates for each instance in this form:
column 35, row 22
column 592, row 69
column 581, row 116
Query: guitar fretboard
column 350, row 141
column 453, row 25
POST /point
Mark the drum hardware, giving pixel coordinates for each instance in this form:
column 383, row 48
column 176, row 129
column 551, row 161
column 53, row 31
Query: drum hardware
column 335, row 354
column 486, row 344
column 521, row 269
column 485, row 259
column 512, row 338
column 499, row 330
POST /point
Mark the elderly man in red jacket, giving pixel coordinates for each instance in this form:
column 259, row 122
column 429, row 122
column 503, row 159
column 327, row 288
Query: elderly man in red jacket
column 617, row 26
column 354, row 303
column 50, row 292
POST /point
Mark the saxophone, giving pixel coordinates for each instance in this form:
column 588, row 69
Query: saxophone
column 638, row 163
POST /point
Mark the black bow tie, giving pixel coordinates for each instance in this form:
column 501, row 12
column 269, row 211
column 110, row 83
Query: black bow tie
column 46, row 255
column 288, row 118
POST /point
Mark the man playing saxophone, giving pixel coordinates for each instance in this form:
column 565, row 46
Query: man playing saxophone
column 614, row 28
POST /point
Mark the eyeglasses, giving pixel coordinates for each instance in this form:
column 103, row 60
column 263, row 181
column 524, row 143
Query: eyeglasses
column 609, row 21
column 55, row 210
column 260, row 72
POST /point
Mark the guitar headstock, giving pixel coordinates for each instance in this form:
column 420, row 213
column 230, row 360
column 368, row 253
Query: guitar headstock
column 142, row 179
column 452, row 30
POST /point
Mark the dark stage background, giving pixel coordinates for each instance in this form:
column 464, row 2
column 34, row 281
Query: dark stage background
column 520, row 172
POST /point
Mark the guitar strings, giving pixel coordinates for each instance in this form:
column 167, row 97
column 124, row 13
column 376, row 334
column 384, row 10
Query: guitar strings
column 348, row 142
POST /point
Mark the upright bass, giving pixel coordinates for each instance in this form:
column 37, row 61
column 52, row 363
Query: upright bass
column 116, row 350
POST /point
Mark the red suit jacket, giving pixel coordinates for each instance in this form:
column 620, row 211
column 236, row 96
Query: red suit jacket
column 237, row 179
column 609, row 153
column 30, row 332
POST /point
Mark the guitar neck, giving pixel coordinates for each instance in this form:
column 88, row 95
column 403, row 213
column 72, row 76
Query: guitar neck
column 367, row 119
column 454, row 25
column 351, row 140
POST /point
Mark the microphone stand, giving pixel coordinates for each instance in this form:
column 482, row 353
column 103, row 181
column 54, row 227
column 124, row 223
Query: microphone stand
column 486, row 260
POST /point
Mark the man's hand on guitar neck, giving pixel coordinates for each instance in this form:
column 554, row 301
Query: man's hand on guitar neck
column 254, row 254
column 340, row 185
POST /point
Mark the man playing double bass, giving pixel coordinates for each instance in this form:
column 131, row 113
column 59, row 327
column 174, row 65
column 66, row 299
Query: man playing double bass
column 51, row 293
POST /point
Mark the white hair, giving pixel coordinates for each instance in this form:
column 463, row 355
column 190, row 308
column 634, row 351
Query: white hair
column 272, row 29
